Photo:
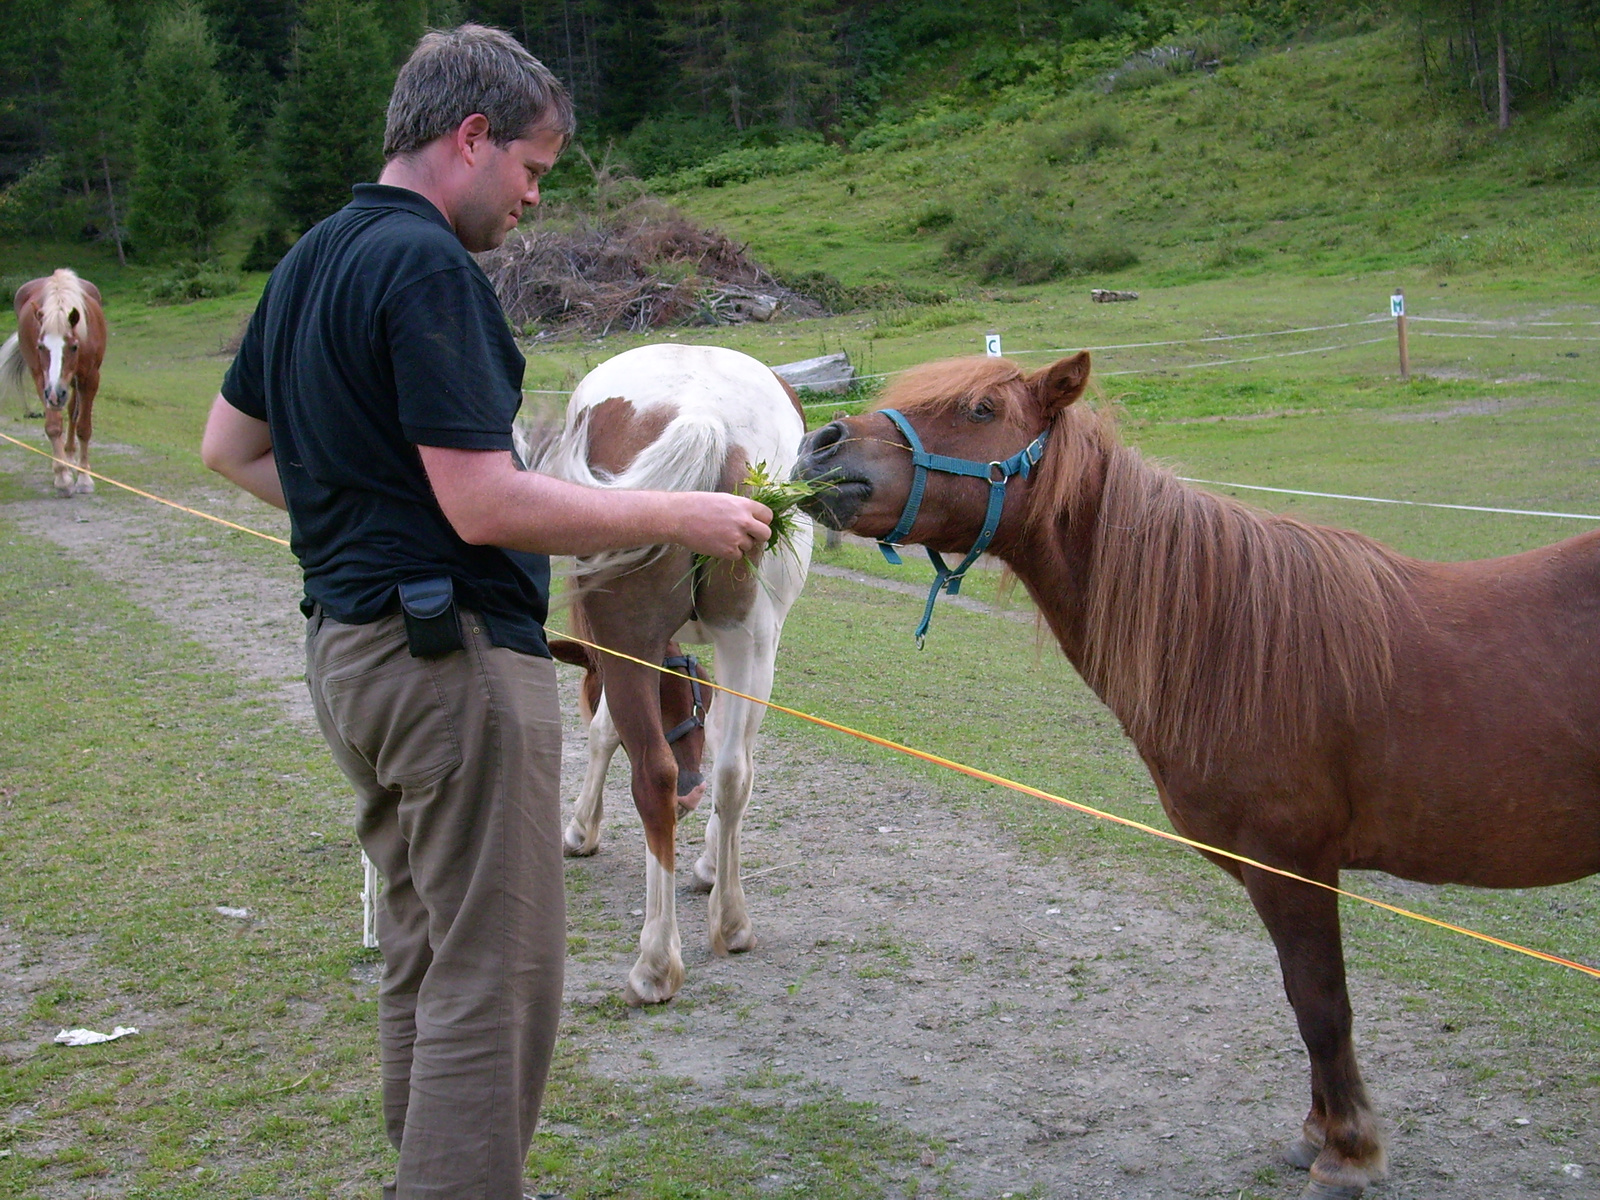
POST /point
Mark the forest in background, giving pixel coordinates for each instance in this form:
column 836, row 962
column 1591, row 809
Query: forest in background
column 164, row 128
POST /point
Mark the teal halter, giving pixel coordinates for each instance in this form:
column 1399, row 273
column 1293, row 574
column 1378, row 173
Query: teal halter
column 997, row 473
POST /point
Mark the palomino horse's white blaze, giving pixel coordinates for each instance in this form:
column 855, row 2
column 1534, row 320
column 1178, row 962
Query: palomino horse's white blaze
column 713, row 403
column 53, row 345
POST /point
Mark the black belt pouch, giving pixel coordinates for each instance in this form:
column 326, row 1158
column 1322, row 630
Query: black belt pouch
column 432, row 627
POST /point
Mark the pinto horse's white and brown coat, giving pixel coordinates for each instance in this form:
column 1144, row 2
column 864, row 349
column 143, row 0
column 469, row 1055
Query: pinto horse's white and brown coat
column 60, row 341
column 681, row 418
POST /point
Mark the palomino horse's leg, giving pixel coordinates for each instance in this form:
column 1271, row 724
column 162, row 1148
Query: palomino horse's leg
column 61, row 470
column 1341, row 1143
column 744, row 663
column 582, row 835
column 82, row 426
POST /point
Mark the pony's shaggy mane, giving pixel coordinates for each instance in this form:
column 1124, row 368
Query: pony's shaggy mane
column 1202, row 618
column 60, row 296
column 1205, row 618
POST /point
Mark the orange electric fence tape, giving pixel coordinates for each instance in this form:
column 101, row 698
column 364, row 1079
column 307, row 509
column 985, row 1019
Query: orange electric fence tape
column 962, row 768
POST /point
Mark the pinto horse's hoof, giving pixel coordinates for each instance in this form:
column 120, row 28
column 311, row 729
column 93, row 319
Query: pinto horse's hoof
column 1301, row 1154
column 84, row 487
column 1316, row 1190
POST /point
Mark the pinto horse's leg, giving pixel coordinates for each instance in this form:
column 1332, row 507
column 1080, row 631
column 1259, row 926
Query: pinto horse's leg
column 582, row 835
column 637, row 614
column 1341, row 1143
column 745, row 657
column 634, row 695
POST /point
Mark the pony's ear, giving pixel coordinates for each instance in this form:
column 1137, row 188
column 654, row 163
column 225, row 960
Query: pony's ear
column 72, row 318
column 1060, row 384
column 571, row 652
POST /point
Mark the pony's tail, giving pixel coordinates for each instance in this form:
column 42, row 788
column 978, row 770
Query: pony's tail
column 13, row 372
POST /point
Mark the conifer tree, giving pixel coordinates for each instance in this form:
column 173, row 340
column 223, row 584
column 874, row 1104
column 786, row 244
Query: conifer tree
column 183, row 143
column 92, row 124
column 328, row 133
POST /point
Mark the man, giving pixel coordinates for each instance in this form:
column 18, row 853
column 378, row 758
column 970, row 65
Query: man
column 372, row 397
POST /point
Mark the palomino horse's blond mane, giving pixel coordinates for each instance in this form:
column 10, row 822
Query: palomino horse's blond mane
column 1203, row 618
column 60, row 297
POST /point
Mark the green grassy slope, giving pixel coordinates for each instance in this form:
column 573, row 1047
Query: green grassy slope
column 1319, row 157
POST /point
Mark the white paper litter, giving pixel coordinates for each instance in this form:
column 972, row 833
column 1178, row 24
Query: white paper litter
column 238, row 914
column 88, row 1037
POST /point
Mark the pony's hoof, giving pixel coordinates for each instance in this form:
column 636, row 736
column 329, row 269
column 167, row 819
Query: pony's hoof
column 575, row 844
column 702, row 879
column 84, row 487
column 740, row 941
column 638, row 992
column 1316, row 1190
column 63, row 492
column 1301, row 1154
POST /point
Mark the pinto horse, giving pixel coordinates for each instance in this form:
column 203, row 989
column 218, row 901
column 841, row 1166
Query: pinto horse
column 61, row 339
column 681, row 418
column 685, row 706
column 1302, row 696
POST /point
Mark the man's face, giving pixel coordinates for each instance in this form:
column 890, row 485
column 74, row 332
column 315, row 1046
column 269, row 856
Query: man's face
column 505, row 180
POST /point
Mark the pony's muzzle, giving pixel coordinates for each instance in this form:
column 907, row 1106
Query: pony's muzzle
column 836, row 506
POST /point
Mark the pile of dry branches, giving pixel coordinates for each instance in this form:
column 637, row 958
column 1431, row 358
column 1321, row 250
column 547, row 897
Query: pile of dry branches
column 641, row 267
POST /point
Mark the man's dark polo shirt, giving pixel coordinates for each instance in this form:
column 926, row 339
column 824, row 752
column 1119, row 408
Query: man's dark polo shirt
column 378, row 333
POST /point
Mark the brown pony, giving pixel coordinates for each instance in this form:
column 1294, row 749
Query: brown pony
column 61, row 338
column 1302, row 696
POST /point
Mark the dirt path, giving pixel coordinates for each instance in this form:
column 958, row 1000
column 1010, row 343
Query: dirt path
column 1094, row 1041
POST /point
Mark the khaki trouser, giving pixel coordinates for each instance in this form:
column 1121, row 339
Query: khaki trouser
column 456, row 764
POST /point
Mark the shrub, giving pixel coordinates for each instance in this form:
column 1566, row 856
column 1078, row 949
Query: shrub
column 1078, row 143
column 1579, row 126
column 36, row 205
column 190, row 280
column 1007, row 241
column 923, row 318
column 266, row 250
column 749, row 162
column 836, row 297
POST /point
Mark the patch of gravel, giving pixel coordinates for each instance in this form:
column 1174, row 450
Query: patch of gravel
column 1077, row 1036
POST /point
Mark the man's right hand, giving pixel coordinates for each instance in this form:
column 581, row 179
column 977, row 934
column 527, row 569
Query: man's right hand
column 723, row 525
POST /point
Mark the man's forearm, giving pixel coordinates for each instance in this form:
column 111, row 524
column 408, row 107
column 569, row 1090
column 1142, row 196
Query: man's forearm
column 239, row 448
column 489, row 502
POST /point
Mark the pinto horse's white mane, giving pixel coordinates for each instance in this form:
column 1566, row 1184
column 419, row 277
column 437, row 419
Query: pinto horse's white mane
column 688, row 456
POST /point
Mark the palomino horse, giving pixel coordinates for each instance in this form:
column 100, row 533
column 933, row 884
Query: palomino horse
column 1302, row 696
column 61, row 339
column 682, row 418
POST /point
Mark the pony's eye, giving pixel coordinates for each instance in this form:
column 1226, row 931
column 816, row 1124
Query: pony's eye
column 983, row 410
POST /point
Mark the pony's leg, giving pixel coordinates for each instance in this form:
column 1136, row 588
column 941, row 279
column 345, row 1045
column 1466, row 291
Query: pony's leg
column 582, row 835
column 1341, row 1143
column 61, row 469
column 704, row 875
column 634, row 694
column 82, row 427
column 744, row 662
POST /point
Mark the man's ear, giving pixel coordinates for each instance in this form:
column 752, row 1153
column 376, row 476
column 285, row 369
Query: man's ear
column 571, row 652
column 1060, row 384
column 471, row 135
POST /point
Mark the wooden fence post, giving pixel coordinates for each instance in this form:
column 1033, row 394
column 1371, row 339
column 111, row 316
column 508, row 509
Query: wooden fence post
column 1397, row 308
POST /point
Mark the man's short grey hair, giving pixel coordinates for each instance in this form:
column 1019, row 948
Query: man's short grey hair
column 454, row 73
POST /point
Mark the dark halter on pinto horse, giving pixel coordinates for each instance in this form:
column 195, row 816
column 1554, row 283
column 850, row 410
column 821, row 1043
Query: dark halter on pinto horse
column 998, row 475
